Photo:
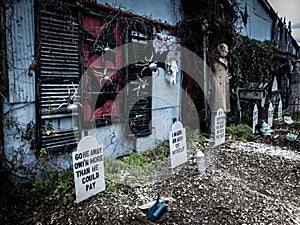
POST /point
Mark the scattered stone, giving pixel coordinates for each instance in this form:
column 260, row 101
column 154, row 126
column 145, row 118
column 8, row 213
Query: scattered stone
column 244, row 183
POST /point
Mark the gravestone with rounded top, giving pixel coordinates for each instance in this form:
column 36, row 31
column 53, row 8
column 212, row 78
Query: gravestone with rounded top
column 220, row 127
column 88, row 168
column 177, row 142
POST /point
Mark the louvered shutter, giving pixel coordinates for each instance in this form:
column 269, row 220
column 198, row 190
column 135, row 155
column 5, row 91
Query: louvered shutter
column 59, row 72
column 139, row 106
column 139, row 102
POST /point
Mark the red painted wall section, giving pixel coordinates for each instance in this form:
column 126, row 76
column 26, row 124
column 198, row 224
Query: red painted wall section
column 90, row 25
column 101, row 72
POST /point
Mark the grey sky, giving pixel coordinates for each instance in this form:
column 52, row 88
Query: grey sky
column 290, row 9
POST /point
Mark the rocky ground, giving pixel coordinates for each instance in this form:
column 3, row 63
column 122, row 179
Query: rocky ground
column 254, row 182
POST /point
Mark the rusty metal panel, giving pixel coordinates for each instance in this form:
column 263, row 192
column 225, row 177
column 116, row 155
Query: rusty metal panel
column 20, row 50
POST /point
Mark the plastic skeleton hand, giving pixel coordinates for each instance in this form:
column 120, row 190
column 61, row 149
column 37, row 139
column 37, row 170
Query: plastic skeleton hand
column 142, row 85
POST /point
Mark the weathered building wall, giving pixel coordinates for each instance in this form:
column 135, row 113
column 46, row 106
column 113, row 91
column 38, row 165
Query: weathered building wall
column 256, row 22
column 27, row 99
column 20, row 51
column 166, row 98
column 259, row 21
column 19, row 107
column 163, row 11
column 166, row 107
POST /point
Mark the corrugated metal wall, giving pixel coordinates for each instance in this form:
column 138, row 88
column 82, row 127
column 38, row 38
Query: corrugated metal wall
column 19, row 107
column 20, row 51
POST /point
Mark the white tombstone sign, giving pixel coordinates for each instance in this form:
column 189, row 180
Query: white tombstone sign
column 177, row 142
column 275, row 84
column 88, row 168
column 279, row 114
column 220, row 127
column 255, row 118
column 270, row 114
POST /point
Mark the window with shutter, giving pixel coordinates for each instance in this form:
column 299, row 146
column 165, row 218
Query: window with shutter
column 139, row 100
column 71, row 43
column 59, row 73
column 104, row 78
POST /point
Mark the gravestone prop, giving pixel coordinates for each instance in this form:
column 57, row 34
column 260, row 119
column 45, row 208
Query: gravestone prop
column 279, row 114
column 255, row 118
column 270, row 114
column 275, row 85
column 177, row 142
column 220, row 127
column 88, row 168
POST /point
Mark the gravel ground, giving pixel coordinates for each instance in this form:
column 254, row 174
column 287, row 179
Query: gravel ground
column 245, row 183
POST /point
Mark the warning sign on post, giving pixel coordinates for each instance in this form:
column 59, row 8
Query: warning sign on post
column 88, row 168
column 177, row 140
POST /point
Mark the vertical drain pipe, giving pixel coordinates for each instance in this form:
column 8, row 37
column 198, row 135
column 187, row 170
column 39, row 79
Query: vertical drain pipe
column 205, row 75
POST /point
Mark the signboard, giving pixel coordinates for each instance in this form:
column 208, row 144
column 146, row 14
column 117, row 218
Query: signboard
column 270, row 114
column 177, row 141
column 220, row 126
column 255, row 118
column 279, row 114
column 88, row 168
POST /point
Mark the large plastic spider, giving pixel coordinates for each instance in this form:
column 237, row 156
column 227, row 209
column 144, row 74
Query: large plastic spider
column 149, row 64
column 69, row 100
column 103, row 76
column 142, row 85
column 101, row 48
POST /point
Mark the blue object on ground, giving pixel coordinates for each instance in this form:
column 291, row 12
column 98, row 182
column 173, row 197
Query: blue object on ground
column 157, row 210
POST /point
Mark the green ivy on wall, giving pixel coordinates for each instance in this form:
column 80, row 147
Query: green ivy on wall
column 251, row 60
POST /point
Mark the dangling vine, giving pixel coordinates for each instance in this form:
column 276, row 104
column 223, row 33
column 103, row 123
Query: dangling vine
column 215, row 19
